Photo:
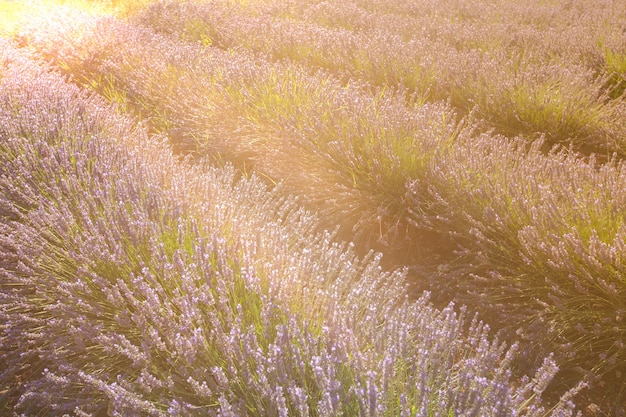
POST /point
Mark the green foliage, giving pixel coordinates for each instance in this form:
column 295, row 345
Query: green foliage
column 615, row 67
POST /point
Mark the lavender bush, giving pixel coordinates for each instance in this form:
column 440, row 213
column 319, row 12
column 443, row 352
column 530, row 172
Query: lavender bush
column 134, row 283
column 542, row 250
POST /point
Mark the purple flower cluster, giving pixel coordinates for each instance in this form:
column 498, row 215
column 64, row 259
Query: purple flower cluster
column 133, row 283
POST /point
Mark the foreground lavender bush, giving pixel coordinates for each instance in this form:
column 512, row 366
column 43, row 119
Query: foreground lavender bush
column 134, row 284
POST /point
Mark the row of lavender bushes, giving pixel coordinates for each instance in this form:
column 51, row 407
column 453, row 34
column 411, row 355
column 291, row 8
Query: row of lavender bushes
column 532, row 240
column 134, row 283
column 533, row 68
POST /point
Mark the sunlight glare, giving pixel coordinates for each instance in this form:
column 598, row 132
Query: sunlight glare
column 14, row 13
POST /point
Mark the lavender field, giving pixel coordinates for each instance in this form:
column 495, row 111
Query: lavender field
column 313, row 208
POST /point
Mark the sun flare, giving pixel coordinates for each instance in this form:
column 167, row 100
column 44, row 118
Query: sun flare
column 14, row 14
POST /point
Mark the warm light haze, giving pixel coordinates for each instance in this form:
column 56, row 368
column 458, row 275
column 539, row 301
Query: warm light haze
column 313, row 208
